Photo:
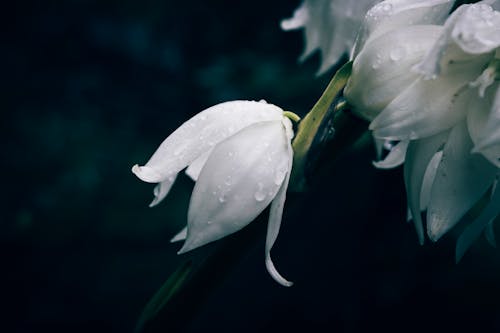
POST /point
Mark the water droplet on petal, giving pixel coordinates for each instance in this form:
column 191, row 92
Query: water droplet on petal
column 260, row 195
column 397, row 54
column 279, row 176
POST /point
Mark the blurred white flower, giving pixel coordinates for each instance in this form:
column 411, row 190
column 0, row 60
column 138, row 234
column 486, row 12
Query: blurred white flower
column 240, row 155
column 435, row 88
column 330, row 26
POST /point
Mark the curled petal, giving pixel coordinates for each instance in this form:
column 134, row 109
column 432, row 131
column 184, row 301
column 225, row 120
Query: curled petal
column 477, row 30
column 240, row 178
column 200, row 134
column 395, row 14
column 395, row 158
column 461, row 179
column 470, row 31
column 418, row 156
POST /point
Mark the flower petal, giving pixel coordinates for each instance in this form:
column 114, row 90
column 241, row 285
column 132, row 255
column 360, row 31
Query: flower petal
column 477, row 30
column 330, row 25
column 395, row 14
column 273, row 227
column 426, row 107
column 381, row 71
column 180, row 236
column 194, row 169
column 483, row 121
column 240, row 178
column 395, row 158
column 201, row 133
column 473, row 230
column 470, row 30
column 161, row 190
column 461, row 179
column 418, row 156
column 429, row 176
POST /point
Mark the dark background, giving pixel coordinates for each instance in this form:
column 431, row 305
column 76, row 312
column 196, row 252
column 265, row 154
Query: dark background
column 92, row 87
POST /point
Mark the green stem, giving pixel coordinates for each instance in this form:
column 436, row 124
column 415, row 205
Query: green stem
column 309, row 126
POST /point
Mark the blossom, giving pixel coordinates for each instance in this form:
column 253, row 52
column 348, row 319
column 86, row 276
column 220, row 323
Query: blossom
column 431, row 82
column 330, row 26
column 240, row 155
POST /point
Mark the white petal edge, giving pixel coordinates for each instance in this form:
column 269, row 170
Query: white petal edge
column 395, row 158
column 161, row 190
column 194, row 169
column 180, row 236
column 275, row 216
column 418, row 156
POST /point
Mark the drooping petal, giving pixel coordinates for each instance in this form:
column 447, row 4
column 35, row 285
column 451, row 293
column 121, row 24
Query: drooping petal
column 330, row 26
column 471, row 30
column 161, row 190
column 473, row 231
column 461, row 179
column 200, row 134
column 240, row 178
column 180, row 236
column 381, row 71
column 483, row 121
column 426, row 107
column 395, row 158
column 395, row 14
column 418, row 156
column 429, row 176
column 275, row 216
column 194, row 169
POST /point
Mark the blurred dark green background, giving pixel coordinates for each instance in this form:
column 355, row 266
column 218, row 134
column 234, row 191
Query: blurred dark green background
column 92, row 87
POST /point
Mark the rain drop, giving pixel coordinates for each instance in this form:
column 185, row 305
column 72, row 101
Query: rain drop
column 260, row 195
column 397, row 54
column 279, row 176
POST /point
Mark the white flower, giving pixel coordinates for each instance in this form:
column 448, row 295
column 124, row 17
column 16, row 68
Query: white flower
column 435, row 88
column 330, row 26
column 240, row 155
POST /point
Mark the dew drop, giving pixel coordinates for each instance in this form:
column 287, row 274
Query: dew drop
column 228, row 181
column 222, row 198
column 397, row 54
column 279, row 176
column 260, row 195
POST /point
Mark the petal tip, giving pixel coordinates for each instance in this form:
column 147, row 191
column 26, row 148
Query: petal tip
column 146, row 174
column 275, row 274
